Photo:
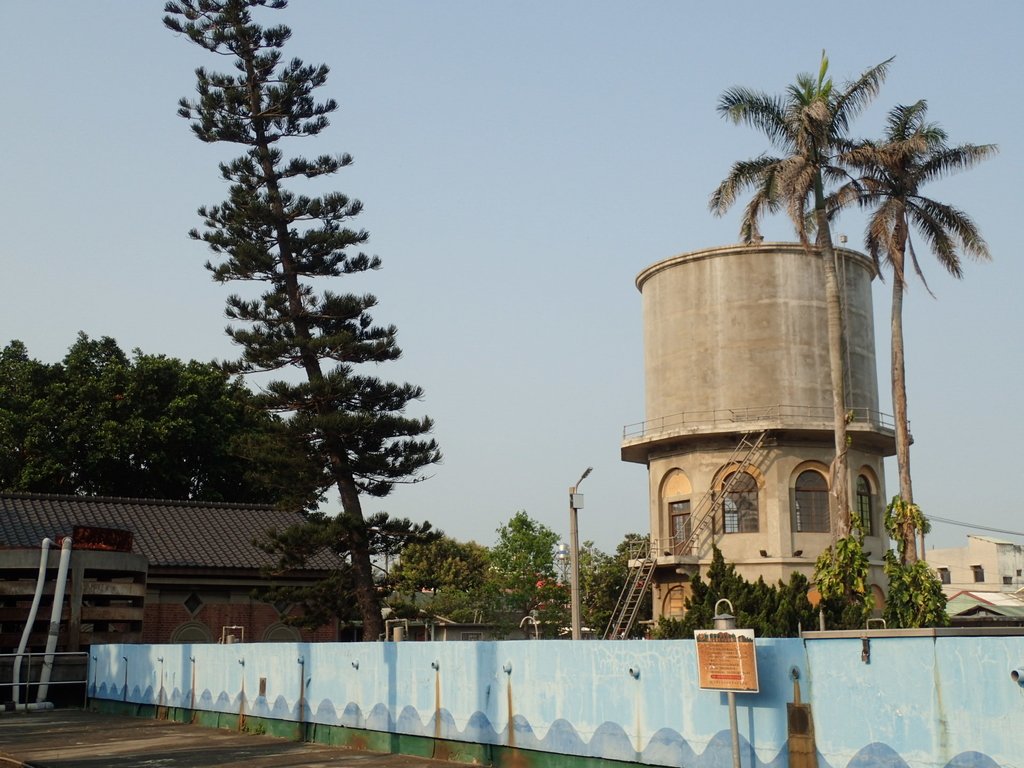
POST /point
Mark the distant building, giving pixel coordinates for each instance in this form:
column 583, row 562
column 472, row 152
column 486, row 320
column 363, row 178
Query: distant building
column 986, row 609
column 189, row 576
column 738, row 437
column 984, row 565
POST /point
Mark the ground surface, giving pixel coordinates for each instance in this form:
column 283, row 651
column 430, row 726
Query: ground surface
column 80, row 739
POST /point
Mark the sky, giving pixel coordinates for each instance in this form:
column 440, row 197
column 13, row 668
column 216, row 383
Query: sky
column 519, row 164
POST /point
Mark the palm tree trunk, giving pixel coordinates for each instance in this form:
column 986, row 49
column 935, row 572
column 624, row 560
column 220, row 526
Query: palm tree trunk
column 899, row 394
column 839, row 498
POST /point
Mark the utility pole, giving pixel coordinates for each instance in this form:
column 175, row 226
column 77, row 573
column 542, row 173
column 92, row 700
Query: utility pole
column 575, row 504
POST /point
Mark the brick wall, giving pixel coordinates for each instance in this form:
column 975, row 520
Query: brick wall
column 166, row 612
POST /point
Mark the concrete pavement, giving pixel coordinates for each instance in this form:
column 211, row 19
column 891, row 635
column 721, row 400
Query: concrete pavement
column 80, row 739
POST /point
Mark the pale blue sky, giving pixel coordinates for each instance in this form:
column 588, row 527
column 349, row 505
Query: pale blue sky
column 520, row 163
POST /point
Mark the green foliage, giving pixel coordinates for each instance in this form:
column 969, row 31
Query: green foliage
column 467, row 582
column 328, row 542
column 915, row 592
column 523, row 572
column 903, row 521
column 354, row 424
column 445, row 578
column 146, row 426
column 841, row 574
column 602, row 577
column 778, row 611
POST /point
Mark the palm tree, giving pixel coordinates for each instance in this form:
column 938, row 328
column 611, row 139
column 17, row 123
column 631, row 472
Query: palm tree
column 891, row 173
column 808, row 125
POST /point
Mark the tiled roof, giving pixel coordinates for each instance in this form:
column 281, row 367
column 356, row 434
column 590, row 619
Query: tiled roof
column 169, row 533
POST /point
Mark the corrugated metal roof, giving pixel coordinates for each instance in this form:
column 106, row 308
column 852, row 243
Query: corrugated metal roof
column 1001, row 603
column 169, row 533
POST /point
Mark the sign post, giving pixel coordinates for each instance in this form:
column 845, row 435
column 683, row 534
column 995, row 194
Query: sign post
column 726, row 661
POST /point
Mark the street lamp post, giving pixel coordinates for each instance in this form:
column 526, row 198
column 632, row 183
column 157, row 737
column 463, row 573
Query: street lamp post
column 575, row 504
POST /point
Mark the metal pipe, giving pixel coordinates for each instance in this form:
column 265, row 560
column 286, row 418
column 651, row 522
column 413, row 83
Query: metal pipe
column 40, row 583
column 727, row 621
column 55, row 614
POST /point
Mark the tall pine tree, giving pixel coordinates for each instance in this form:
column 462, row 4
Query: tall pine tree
column 354, row 423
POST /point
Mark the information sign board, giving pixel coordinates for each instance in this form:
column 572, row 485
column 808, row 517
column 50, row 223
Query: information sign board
column 726, row 660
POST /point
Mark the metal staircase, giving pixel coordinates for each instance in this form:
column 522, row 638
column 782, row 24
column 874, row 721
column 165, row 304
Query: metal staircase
column 639, row 578
column 632, row 594
column 741, row 459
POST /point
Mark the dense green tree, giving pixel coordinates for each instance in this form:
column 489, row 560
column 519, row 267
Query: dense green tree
column 354, row 423
column 890, row 175
column 103, row 423
column 523, row 572
column 444, row 577
column 23, row 383
column 779, row 611
column 809, row 125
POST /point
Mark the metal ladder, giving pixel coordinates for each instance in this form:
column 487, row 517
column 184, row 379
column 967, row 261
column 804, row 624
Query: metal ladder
column 639, row 577
column 632, row 594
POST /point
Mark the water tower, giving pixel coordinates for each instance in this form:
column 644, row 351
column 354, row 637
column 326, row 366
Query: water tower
column 737, row 436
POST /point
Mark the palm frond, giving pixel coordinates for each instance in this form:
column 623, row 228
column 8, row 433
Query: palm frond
column 758, row 110
column 744, row 175
column 954, row 159
column 905, row 120
column 917, row 266
column 849, row 102
column 956, row 224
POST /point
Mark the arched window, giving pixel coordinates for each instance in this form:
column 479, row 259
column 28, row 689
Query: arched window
column 811, row 503
column 192, row 632
column 739, row 504
column 281, row 633
column 865, row 510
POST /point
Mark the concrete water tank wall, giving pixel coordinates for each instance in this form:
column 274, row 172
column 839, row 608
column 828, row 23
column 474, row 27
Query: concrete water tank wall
column 745, row 326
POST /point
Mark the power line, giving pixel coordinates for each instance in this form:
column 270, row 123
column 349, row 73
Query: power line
column 975, row 526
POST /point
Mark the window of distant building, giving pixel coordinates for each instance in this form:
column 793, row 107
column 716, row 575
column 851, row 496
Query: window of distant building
column 979, row 573
column 944, row 575
column 739, row 503
column 811, row 503
column 1007, row 579
column 865, row 509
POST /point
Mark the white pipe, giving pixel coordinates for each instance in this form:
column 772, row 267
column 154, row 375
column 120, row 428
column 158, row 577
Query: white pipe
column 55, row 614
column 40, row 583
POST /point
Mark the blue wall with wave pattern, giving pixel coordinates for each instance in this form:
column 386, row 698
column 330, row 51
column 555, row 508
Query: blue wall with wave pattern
column 946, row 702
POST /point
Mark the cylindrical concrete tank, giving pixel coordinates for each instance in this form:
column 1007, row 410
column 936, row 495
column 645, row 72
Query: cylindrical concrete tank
column 744, row 327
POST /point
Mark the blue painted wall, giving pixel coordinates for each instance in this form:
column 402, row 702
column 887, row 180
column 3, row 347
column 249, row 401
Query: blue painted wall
column 921, row 701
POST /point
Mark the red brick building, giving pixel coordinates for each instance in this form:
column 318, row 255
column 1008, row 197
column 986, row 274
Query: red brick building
column 191, row 575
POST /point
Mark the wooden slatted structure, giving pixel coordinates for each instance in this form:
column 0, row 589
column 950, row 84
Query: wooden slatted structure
column 103, row 602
